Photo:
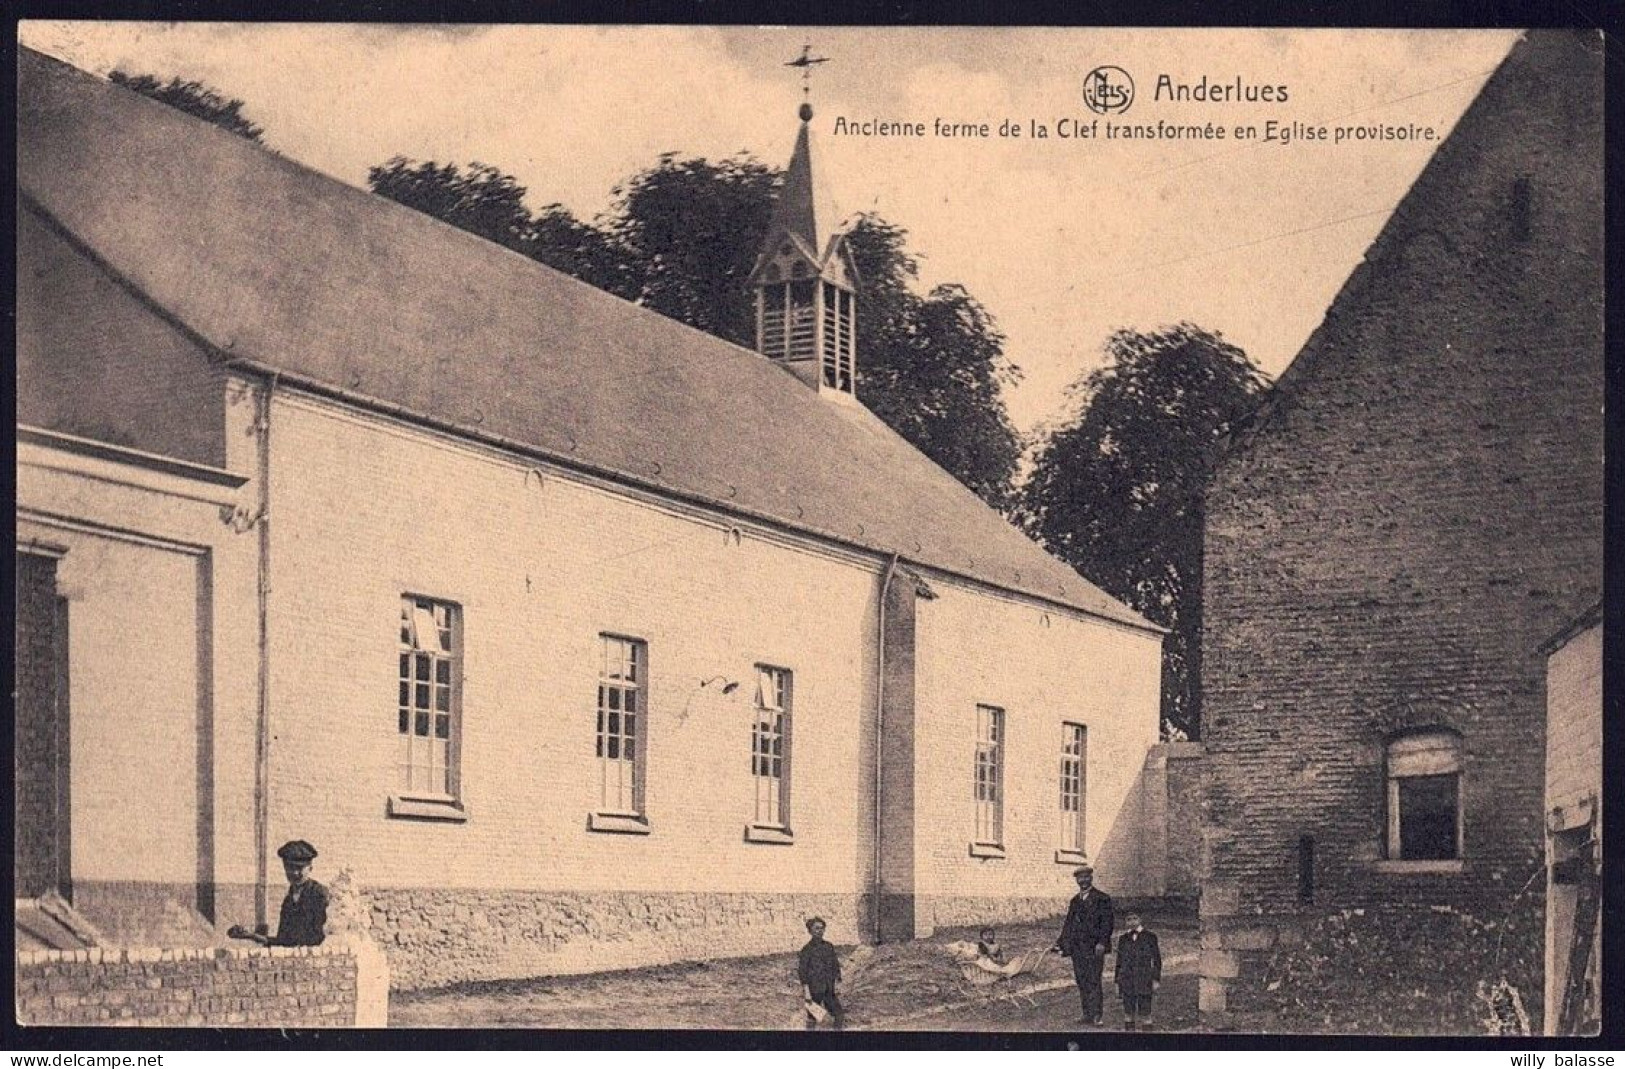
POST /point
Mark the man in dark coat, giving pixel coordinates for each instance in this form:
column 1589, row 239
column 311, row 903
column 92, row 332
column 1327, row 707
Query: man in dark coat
column 303, row 921
column 1138, row 972
column 819, row 971
column 1086, row 938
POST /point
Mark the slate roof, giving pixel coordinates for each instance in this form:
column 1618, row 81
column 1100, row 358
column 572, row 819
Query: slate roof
column 283, row 269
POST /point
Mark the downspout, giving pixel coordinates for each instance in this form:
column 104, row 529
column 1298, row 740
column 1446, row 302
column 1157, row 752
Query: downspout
column 880, row 724
column 262, row 753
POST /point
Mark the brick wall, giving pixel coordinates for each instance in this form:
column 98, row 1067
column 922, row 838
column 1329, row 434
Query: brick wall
column 1574, row 713
column 1043, row 669
column 282, row 987
column 366, row 509
column 1419, row 511
column 900, row 784
column 546, row 567
column 1183, row 840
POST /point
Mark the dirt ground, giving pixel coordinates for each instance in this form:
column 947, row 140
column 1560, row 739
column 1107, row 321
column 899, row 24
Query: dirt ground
column 907, row 986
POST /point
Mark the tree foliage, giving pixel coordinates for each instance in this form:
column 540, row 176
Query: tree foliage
column 933, row 367
column 480, row 199
column 194, row 98
column 691, row 230
column 681, row 238
column 1117, row 491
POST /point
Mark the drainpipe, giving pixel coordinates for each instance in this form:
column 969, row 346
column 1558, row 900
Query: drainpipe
column 262, row 752
column 880, row 724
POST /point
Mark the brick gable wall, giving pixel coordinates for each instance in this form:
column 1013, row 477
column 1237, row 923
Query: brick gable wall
column 1419, row 512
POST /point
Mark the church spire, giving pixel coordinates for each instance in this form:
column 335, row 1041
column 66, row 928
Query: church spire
column 804, row 207
column 804, row 279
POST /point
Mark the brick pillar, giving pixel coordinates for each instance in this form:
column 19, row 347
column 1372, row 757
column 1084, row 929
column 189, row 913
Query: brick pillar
column 40, row 858
column 898, row 919
column 1184, row 825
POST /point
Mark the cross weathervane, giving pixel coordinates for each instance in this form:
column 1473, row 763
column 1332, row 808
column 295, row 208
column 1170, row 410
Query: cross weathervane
column 807, row 61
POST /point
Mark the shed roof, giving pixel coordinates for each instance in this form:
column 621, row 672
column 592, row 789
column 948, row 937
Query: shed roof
column 289, row 270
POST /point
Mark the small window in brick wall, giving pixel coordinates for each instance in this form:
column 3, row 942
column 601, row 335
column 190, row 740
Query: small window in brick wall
column 1521, row 208
column 1424, row 797
column 989, row 775
column 1074, row 758
column 770, row 747
column 427, row 721
column 622, row 715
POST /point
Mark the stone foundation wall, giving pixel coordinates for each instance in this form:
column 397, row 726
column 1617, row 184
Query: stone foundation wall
column 436, row 937
column 283, row 987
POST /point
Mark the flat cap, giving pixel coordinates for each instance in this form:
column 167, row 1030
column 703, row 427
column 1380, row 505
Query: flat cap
column 298, row 852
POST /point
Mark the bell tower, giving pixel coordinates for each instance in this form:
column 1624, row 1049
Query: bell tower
column 805, row 282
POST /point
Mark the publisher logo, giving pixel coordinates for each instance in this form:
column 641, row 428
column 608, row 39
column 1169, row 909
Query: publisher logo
column 1108, row 90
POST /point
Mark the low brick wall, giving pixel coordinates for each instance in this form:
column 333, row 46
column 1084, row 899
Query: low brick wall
column 287, row 987
column 438, row 937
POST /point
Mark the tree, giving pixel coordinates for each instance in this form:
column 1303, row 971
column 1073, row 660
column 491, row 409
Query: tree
column 933, row 367
column 582, row 250
column 194, row 98
column 681, row 238
column 481, row 200
column 1118, row 490
column 692, row 229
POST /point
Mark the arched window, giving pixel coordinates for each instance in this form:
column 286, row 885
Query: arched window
column 1424, row 796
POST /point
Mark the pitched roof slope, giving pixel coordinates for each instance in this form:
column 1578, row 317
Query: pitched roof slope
column 288, row 269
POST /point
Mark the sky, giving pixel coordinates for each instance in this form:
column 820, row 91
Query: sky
column 1063, row 239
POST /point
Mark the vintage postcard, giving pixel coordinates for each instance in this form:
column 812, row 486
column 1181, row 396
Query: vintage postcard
column 885, row 529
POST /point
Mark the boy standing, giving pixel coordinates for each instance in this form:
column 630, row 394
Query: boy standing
column 819, row 971
column 1139, row 973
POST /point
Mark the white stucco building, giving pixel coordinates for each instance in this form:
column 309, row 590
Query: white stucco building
column 583, row 638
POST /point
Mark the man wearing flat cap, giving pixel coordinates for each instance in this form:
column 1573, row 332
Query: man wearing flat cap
column 304, row 909
column 1086, row 937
